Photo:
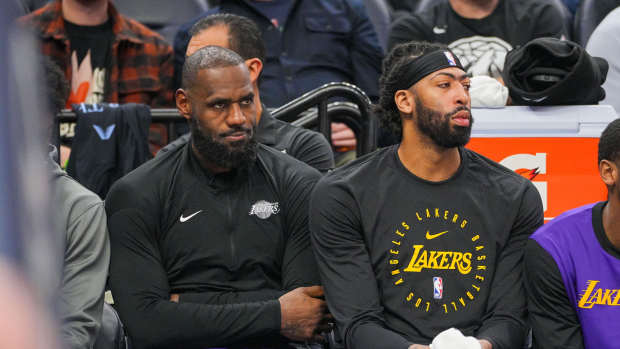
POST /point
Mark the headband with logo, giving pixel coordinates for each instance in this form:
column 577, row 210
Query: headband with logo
column 426, row 64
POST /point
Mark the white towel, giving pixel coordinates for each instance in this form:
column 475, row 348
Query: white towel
column 486, row 92
column 454, row 339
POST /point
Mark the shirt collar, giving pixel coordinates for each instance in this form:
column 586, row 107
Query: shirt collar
column 266, row 129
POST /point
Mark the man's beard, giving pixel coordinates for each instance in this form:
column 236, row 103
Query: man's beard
column 437, row 126
column 232, row 155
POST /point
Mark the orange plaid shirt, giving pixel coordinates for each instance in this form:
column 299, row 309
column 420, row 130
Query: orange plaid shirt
column 141, row 67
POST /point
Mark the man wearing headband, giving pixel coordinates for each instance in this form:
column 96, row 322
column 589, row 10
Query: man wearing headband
column 422, row 242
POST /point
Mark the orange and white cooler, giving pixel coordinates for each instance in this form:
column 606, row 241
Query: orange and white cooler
column 555, row 147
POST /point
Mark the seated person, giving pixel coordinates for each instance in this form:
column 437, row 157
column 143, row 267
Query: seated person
column 211, row 244
column 425, row 235
column 572, row 267
column 243, row 36
column 480, row 32
column 106, row 56
column 308, row 44
column 80, row 217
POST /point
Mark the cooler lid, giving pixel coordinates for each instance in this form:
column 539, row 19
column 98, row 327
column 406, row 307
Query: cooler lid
column 555, row 121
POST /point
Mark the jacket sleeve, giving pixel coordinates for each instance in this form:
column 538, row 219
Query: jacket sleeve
column 141, row 290
column 298, row 264
column 314, row 150
column 504, row 326
column 366, row 54
column 230, row 297
column 344, row 264
column 86, row 260
column 181, row 39
column 554, row 321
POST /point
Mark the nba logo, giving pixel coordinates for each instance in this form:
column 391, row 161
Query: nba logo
column 450, row 58
column 437, row 287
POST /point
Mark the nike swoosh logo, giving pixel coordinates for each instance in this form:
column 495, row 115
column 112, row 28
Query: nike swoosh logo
column 439, row 30
column 185, row 219
column 430, row 236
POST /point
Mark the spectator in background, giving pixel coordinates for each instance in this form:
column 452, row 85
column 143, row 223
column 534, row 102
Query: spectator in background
column 605, row 42
column 105, row 56
column 572, row 267
column 242, row 35
column 480, row 32
column 79, row 215
column 308, row 44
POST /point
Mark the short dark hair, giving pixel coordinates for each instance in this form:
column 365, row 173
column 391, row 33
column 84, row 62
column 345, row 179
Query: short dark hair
column 208, row 57
column 56, row 84
column 244, row 36
column 609, row 143
column 394, row 66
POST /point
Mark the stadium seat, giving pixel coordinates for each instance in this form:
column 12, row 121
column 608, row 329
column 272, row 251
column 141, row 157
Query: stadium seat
column 163, row 16
column 589, row 14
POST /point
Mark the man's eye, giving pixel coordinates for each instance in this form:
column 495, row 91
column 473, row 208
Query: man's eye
column 247, row 101
column 467, row 86
column 444, row 85
column 218, row 105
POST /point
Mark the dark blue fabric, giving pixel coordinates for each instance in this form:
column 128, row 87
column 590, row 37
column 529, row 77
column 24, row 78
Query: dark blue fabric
column 572, row 5
column 323, row 41
column 277, row 10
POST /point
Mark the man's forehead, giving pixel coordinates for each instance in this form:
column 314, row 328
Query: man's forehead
column 216, row 35
column 224, row 80
column 452, row 72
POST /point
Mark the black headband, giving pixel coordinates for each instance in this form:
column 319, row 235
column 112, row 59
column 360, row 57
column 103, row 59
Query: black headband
column 421, row 66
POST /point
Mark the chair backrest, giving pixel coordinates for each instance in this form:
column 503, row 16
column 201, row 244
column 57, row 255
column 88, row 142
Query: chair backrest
column 589, row 14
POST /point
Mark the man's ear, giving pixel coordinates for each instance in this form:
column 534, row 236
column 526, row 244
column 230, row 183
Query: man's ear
column 183, row 105
column 609, row 172
column 255, row 66
column 404, row 101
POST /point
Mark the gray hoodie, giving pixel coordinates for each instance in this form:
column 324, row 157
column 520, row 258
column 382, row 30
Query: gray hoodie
column 80, row 214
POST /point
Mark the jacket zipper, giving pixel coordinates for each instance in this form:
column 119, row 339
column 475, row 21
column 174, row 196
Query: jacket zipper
column 233, row 253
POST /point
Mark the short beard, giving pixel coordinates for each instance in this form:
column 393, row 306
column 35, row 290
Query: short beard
column 437, row 126
column 236, row 155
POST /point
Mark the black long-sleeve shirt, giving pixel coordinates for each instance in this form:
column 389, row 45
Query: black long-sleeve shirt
column 230, row 244
column 402, row 259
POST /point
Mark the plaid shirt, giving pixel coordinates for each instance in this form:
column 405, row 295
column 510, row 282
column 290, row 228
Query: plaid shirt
column 141, row 65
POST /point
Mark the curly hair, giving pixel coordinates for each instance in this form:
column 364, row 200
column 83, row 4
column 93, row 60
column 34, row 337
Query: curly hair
column 609, row 143
column 393, row 69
